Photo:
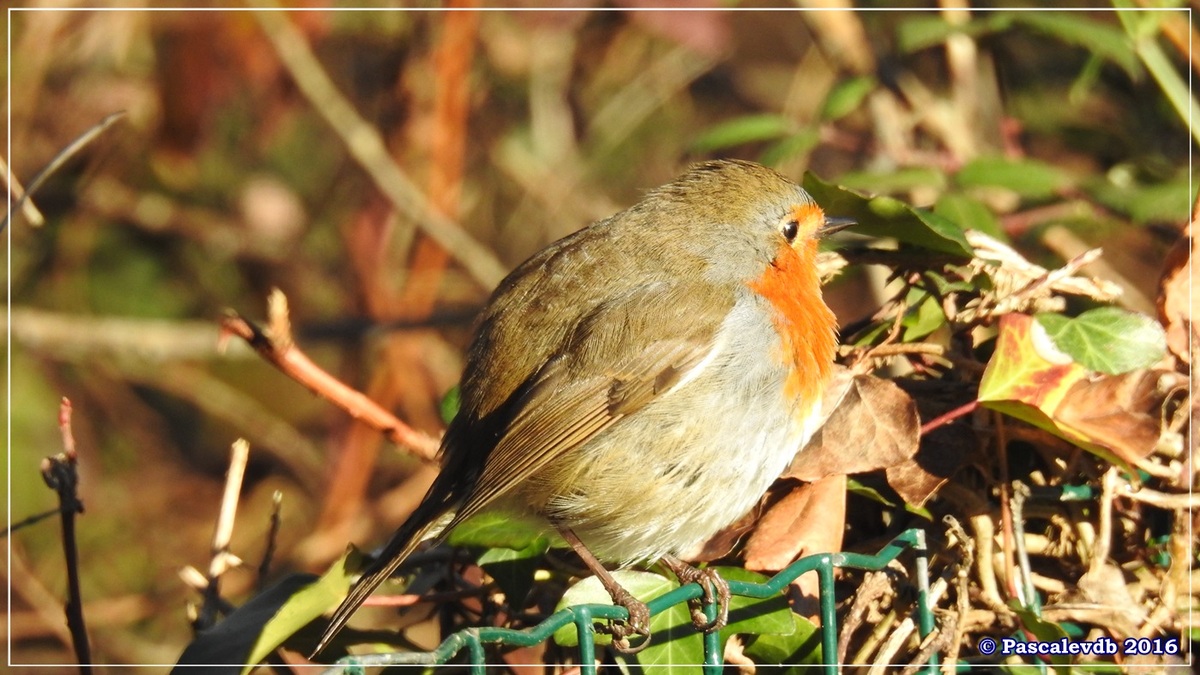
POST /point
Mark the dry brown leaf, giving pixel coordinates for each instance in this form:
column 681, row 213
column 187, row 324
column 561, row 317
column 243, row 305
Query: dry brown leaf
column 876, row 426
column 944, row 449
column 943, row 452
column 809, row 519
column 1123, row 413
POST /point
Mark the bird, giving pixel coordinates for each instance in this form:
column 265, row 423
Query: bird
column 636, row 386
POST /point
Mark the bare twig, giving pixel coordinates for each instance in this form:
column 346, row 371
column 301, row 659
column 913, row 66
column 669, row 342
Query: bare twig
column 31, row 520
column 60, row 335
column 369, row 150
column 1006, row 516
column 1020, row 492
column 60, row 159
column 264, row 566
column 61, row 473
column 284, row 355
column 222, row 560
column 32, row 214
column 887, row 653
column 962, row 585
column 949, row 416
column 1108, row 489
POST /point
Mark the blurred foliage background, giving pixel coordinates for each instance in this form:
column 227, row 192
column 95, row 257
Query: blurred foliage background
column 1056, row 131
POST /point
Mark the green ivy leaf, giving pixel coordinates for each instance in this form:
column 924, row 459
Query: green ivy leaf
column 514, row 570
column 256, row 628
column 924, row 316
column 1107, row 339
column 800, row 646
column 889, row 217
column 644, row 586
column 500, row 530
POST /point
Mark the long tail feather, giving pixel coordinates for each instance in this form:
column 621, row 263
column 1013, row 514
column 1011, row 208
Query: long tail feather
column 406, row 540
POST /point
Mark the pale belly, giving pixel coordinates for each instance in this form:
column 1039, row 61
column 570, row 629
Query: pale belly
column 668, row 477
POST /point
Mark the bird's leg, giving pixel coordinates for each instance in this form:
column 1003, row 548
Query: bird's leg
column 713, row 585
column 639, row 614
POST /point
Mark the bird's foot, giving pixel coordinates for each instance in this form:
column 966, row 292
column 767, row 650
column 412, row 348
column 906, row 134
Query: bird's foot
column 638, row 623
column 715, row 588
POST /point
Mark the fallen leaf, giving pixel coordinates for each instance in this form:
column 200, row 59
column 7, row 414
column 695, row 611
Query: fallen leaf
column 1118, row 417
column 809, row 519
column 875, row 426
column 1120, row 412
column 943, row 450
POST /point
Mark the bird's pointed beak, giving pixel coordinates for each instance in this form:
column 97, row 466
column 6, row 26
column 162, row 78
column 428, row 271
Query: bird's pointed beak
column 832, row 225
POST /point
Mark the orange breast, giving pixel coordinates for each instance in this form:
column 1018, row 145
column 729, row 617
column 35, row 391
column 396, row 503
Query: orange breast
column 806, row 325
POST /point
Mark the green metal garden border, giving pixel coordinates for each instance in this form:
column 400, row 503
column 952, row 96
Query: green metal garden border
column 473, row 639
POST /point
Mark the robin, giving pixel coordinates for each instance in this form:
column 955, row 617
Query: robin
column 638, row 385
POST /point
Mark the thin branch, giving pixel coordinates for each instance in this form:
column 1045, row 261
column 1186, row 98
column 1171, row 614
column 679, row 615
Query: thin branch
column 61, row 473
column 31, row 520
column 32, row 214
column 368, row 148
column 949, row 416
column 60, row 159
column 280, row 351
column 264, row 567
column 222, row 559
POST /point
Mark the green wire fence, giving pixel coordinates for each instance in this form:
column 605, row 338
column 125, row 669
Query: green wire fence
column 474, row 639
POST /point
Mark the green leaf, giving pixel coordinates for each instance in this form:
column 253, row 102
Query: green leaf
column 748, row 129
column 888, row 217
column 1107, row 339
column 856, row 487
column 790, row 146
column 923, row 31
column 450, row 403
column 1029, row 178
column 680, row 644
column 800, row 646
column 514, row 570
column 755, row 616
column 924, row 317
column 644, row 586
column 675, row 641
column 256, row 628
column 970, row 214
column 500, row 530
column 846, row 97
column 307, row 605
column 1076, row 28
column 1160, row 202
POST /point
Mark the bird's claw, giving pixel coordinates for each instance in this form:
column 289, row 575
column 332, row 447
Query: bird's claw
column 715, row 588
column 637, row 624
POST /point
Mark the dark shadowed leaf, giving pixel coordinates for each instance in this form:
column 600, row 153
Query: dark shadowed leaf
column 888, row 217
column 240, row 638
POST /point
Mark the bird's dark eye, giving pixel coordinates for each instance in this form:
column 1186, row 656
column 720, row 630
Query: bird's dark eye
column 789, row 229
